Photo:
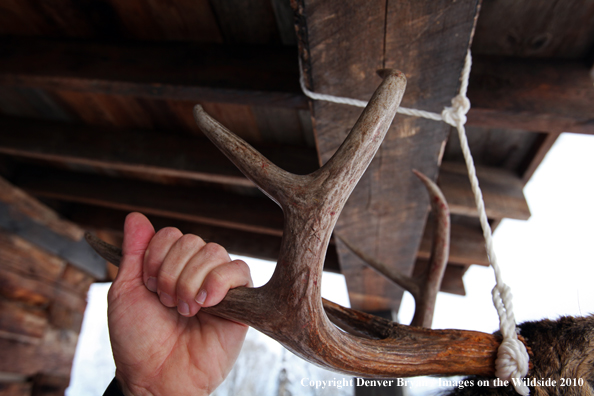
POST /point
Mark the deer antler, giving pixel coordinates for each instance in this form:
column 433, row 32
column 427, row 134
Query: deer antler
column 289, row 307
column 424, row 289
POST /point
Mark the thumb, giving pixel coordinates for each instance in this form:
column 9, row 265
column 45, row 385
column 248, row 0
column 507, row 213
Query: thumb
column 138, row 232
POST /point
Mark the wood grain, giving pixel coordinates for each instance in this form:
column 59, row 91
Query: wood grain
column 552, row 95
column 141, row 153
column 502, row 192
column 341, row 52
column 184, row 71
column 201, row 205
column 34, row 209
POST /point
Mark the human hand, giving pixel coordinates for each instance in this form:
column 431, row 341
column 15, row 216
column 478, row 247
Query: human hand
column 162, row 343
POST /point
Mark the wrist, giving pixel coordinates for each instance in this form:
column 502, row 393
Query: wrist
column 130, row 390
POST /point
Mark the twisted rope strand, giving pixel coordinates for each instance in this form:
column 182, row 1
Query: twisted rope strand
column 512, row 357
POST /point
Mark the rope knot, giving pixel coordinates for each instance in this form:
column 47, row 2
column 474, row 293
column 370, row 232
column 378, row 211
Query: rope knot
column 456, row 114
column 512, row 362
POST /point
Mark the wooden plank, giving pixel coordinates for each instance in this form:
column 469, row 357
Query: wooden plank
column 79, row 253
column 39, row 293
column 452, row 281
column 21, row 202
column 52, row 356
column 50, row 385
column 342, row 48
column 183, row 71
column 143, row 153
column 15, row 388
column 467, row 245
column 531, row 94
column 247, row 21
column 76, row 280
column 541, row 147
column 22, row 320
column 502, row 192
column 61, row 317
column 201, row 205
column 261, row 246
column 22, row 256
column 534, row 28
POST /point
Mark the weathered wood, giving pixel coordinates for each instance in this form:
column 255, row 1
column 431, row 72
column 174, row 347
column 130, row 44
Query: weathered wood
column 467, row 243
column 502, row 192
column 247, row 21
column 15, row 388
column 76, row 280
column 20, row 201
column 18, row 287
column 133, row 19
column 493, row 147
column 541, row 147
column 341, row 52
column 65, row 318
column 49, row 385
column 139, row 153
column 53, row 355
column 452, row 281
column 535, row 95
column 20, row 319
column 534, row 28
column 22, row 256
column 239, row 242
column 181, row 71
column 200, row 205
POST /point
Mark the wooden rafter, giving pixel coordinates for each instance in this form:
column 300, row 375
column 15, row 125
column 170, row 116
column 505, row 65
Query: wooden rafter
column 341, row 51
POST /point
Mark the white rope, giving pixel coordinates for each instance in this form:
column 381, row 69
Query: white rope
column 512, row 357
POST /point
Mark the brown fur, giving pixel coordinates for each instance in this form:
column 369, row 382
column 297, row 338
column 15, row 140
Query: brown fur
column 562, row 348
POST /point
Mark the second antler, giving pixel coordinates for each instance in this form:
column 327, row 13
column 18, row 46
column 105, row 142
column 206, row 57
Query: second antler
column 289, row 307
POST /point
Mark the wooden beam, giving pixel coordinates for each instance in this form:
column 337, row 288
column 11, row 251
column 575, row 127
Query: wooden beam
column 531, row 94
column 15, row 207
column 502, row 192
column 467, row 245
column 201, row 205
column 261, row 246
column 341, row 48
column 451, row 282
column 254, row 75
column 541, row 147
column 138, row 153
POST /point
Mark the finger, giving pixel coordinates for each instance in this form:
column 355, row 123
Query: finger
column 176, row 259
column 191, row 278
column 138, row 232
column 220, row 280
column 157, row 250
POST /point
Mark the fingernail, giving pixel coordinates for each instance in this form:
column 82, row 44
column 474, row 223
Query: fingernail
column 167, row 300
column 201, row 297
column 151, row 284
column 183, row 307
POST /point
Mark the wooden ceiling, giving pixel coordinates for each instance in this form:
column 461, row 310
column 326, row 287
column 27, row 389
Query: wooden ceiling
column 96, row 102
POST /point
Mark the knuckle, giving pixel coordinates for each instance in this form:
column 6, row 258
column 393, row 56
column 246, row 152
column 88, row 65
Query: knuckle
column 190, row 242
column 217, row 278
column 166, row 281
column 169, row 232
column 243, row 267
column 215, row 250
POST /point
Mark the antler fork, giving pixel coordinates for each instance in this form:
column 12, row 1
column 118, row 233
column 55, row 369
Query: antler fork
column 289, row 307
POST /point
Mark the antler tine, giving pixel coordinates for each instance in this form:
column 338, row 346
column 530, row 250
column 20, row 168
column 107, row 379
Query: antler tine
column 271, row 179
column 440, row 251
